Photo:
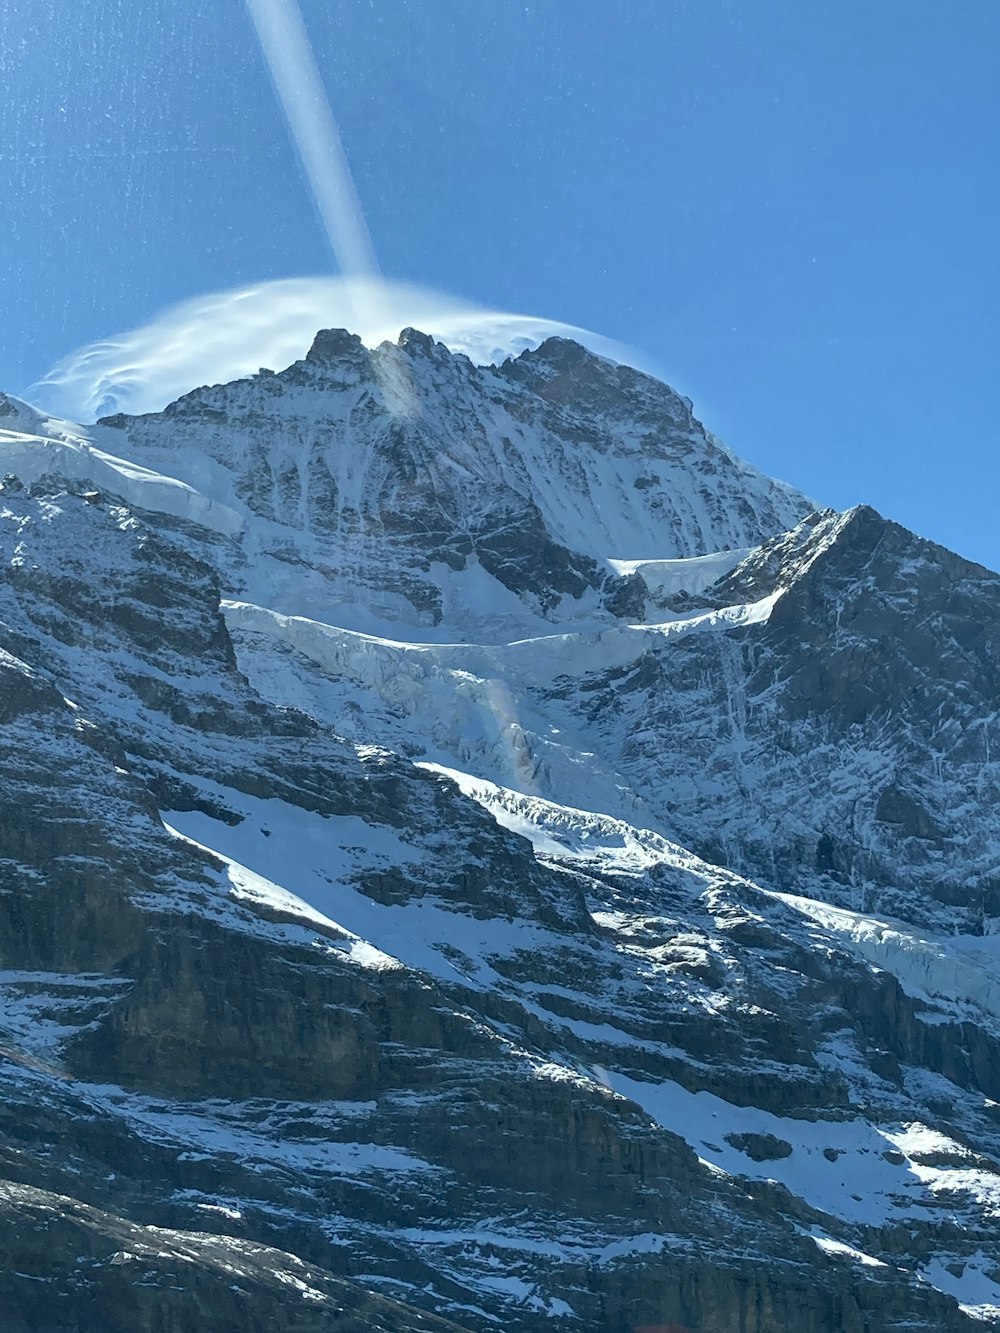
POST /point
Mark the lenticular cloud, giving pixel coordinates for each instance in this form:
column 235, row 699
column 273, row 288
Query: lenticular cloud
column 225, row 335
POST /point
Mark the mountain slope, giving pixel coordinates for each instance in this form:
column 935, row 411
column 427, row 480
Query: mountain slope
column 605, row 945
column 429, row 485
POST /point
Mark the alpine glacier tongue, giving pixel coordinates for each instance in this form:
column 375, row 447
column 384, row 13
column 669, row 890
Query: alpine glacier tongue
column 475, row 854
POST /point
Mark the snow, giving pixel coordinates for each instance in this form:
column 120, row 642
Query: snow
column 39, row 1011
column 976, row 1291
column 203, row 1130
column 633, row 475
column 473, row 707
column 317, row 857
column 567, row 833
column 247, row 886
column 498, row 698
column 565, row 1248
column 692, row 575
column 231, row 1214
column 952, row 970
column 838, row 1247
column 859, row 1186
column 378, row 661
column 31, row 457
column 223, row 336
column 20, row 417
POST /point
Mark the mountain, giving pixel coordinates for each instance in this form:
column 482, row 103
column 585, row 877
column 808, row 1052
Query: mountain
column 475, row 854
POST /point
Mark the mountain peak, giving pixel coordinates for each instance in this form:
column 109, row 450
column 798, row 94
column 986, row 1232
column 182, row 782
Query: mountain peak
column 336, row 345
column 561, row 352
column 416, row 341
column 388, row 468
column 16, row 414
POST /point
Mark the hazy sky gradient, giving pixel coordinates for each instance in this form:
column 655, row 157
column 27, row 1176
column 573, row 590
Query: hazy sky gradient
column 790, row 206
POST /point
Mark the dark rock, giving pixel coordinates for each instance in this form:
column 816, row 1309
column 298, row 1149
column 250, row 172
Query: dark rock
column 761, row 1147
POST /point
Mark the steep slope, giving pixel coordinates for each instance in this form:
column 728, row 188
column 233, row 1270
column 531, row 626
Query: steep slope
column 405, row 486
column 572, row 966
column 843, row 742
column 821, row 718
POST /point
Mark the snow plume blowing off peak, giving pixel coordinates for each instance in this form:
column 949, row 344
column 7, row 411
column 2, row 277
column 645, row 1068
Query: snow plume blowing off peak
column 225, row 335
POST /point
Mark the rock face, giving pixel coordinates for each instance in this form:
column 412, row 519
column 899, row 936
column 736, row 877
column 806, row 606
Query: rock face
column 474, row 854
column 420, row 489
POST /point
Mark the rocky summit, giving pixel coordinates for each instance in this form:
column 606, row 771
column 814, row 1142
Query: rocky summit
column 477, row 855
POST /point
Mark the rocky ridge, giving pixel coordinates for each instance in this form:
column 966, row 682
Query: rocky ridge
column 445, row 883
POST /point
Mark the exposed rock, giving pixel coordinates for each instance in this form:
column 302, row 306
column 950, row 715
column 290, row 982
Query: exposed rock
column 761, row 1147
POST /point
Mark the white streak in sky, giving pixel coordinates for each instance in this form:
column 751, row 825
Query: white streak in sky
column 285, row 43
column 226, row 335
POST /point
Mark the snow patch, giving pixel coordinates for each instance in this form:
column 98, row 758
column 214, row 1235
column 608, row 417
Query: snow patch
column 837, row 1167
column 31, row 457
column 952, row 970
column 693, row 575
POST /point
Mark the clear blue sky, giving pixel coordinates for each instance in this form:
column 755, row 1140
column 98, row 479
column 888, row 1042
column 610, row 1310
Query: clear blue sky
column 790, row 205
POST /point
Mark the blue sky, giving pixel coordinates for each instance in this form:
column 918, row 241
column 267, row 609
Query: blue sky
column 790, row 206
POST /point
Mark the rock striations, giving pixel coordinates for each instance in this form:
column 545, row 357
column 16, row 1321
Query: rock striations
column 476, row 855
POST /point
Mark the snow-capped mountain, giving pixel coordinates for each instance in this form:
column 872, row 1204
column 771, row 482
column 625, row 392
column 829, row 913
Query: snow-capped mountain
column 406, row 487
column 475, row 854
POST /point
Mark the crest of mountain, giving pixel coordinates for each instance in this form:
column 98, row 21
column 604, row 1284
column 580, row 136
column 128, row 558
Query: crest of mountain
column 416, row 489
column 474, row 854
